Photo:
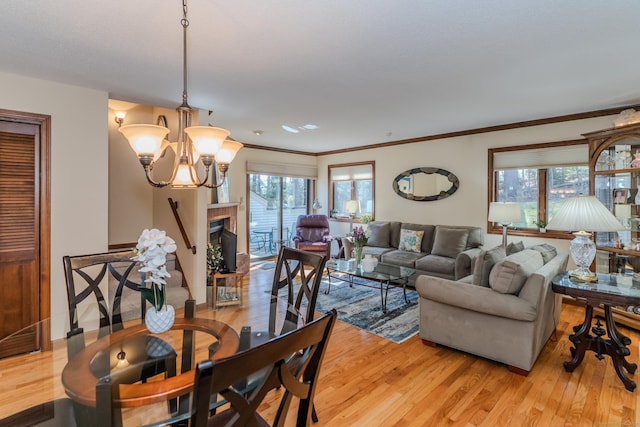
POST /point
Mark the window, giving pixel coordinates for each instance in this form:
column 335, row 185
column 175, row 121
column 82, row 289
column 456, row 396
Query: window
column 351, row 181
column 539, row 178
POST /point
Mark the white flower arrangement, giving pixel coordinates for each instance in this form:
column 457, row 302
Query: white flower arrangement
column 151, row 251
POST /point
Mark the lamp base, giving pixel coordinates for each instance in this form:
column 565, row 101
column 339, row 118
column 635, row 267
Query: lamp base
column 589, row 278
column 583, row 251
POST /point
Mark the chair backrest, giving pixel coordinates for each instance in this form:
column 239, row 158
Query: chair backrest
column 297, row 375
column 312, row 228
column 85, row 273
column 308, row 267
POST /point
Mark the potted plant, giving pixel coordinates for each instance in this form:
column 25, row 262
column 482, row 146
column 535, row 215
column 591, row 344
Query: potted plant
column 151, row 252
column 542, row 226
column 214, row 258
column 359, row 238
column 365, row 218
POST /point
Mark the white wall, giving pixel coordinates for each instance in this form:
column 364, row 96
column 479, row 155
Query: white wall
column 130, row 196
column 79, row 172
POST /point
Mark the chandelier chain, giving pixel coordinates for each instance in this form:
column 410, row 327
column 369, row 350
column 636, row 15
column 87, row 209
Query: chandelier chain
column 185, row 23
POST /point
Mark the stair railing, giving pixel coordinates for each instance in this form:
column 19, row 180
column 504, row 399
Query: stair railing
column 174, row 208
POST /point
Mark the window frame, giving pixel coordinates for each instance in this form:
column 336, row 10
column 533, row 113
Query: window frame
column 331, row 183
column 493, row 228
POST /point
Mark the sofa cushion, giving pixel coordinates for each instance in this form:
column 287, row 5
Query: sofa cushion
column 485, row 262
column 449, row 242
column 509, row 275
column 513, row 247
column 547, row 251
column 394, row 233
column 476, row 235
column 378, row 234
column 427, row 237
column 401, row 258
column 410, row 240
column 437, row 264
column 374, row 251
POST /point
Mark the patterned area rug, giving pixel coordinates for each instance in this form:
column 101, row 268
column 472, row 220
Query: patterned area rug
column 361, row 307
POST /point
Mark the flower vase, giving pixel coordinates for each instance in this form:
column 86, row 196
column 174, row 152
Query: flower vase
column 358, row 255
column 160, row 321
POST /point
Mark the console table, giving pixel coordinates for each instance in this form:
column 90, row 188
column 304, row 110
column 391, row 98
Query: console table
column 610, row 290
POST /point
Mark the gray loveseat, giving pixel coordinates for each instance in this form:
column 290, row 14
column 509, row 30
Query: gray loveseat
column 506, row 311
column 445, row 251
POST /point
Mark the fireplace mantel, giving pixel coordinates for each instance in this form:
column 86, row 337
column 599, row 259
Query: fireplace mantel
column 226, row 211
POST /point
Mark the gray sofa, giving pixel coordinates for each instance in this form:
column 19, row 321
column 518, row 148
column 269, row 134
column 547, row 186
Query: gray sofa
column 445, row 251
column 505, row 311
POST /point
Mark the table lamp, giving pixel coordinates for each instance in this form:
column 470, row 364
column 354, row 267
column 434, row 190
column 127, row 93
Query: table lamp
column 352, row 207
column 503, row 214
column 583, row 215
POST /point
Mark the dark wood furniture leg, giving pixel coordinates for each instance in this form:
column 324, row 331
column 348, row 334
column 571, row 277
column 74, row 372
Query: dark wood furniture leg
column 580, row 338
column 617, row 349
column 615, row 346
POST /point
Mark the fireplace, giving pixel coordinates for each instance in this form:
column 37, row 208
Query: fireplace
column 225, row 214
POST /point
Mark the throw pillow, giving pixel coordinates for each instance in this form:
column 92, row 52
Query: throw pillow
column 512, row 248
column 378, row 234
column 485, row 262
column 547, row 251
column 410, row 240
column 449, row 242
column 509, row 275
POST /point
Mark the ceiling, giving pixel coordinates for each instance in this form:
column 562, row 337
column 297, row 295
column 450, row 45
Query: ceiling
column 363, row 71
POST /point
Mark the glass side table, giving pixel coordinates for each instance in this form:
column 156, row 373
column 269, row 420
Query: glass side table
column 610, row 290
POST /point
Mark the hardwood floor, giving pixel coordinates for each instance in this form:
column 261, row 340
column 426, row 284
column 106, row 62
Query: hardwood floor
column 368, row 381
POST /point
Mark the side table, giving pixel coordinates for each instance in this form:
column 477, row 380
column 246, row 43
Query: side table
column 608, row 291
column 229, row 293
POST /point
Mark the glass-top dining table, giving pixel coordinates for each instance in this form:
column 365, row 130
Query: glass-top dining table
column 39, row 384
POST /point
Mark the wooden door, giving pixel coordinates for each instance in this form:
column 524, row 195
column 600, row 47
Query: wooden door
column 21, row 264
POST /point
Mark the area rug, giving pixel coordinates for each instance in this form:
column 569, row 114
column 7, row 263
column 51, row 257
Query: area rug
column 361, row 307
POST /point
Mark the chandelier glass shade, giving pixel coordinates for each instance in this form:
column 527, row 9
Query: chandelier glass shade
column 203, row 145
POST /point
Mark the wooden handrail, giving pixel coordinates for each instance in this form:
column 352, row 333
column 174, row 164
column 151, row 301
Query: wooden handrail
column 174, row 208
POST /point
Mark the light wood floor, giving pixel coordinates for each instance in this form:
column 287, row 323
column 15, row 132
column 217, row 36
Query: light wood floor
column 368, row 381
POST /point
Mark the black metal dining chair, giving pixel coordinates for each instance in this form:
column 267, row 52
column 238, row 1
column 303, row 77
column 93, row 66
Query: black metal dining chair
column 291, row 361
column 85, row 277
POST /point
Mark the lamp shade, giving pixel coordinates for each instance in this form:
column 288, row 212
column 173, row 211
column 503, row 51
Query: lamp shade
column 352, row 207
column 228, row 151
column 584, row 213
column 207, row 140
column 145, row 139
column 504, row 213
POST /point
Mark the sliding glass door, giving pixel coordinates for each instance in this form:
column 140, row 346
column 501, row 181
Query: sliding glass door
column 274, row 205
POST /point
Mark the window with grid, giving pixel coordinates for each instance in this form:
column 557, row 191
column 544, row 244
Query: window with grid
column 539, row 178
column 352, row 181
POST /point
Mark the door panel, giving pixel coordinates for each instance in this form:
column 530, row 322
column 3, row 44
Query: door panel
column 19, row 237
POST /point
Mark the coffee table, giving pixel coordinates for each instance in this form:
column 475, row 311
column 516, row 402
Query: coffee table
column 386, row 275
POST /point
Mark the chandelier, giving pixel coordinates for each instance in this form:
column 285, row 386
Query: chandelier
column 204, row 144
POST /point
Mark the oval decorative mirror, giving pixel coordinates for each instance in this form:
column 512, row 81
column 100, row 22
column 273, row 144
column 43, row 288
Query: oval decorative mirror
column 425, row 184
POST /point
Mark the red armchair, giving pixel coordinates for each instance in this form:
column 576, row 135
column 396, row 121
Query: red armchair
column 312, row 234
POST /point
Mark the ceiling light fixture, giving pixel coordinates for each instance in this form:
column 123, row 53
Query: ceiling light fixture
column 195, row 143
column 119, row 117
